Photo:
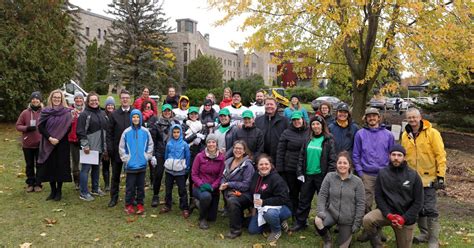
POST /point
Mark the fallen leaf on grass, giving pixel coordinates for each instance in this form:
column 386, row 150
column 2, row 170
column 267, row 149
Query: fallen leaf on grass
column 257, row 245
column 470, row 235
column 302, row 237
column 137, row 235
column 149, row 235
column 1, row 192
column 50, row 221
column 132, row 219
column 58, row 210
column 26, row 245
column 43, row 234
column 273, row 243
column 20, row 175
column 96, row 239
column 153, row 216
column 458, row 233
column 221, row 235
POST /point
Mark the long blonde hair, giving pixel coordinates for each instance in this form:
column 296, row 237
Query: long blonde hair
column 50, row 98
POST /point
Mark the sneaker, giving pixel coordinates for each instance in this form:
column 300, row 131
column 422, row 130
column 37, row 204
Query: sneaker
column 87, row 197
column 155, row 201
column 30, row 189
column 129, row 209
column 274, row 236
column 38, row 188
column 76, row 186
column 233, row 234
column 107, row 188
column 140, row 209
column 98, row 193
column 284, row 226
column 203, row 224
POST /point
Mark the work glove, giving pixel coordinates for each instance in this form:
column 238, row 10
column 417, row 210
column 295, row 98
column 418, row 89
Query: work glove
column 354, row 229
column 206, row 187
column 153, row 161
column 31, row 128
column 301, row 178
column 201, row 136
column 439, row 183
column 400, row 219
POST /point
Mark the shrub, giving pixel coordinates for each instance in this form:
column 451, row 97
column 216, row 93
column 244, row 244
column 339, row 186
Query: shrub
column 196, row 96
column 305, row 94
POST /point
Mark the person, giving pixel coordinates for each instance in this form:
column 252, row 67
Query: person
column 147, row 113
column 27, row 124
column 135, row 149
column 119, row 120
column 208, row 116
column 106, row 161
column 236, row 108
column 341, row 202
column 225, row 131
column 160, row 132
column 343, row 129
column 397, row 104
column 227, row 98
column 54, row 157
column 258, row 107
column 172, row 98
column 315, row 160
column 295, row 105
column 325, row 110
column 289, row 147
column 207, row 170
column 399, row 198
column 372, row 144
column 235, row 185
column 426, row 155
column 74, row 144
column 177, row 164
column 271, row 200
column 212, row 99
column 272, row 125
column 249, row 133
column 181, row 112
column 145, row 97
column 91, row 131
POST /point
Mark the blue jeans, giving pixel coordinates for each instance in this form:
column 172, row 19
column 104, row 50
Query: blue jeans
column 273, row 217
column 208, row 204
column 83, row 181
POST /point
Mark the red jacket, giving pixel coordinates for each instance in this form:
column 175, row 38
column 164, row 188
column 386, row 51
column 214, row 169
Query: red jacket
column 139, row 101
column 72, row 136
column 225, row 102
column 29, row 139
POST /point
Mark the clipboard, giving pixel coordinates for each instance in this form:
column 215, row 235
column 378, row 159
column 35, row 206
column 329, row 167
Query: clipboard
column 91, row 158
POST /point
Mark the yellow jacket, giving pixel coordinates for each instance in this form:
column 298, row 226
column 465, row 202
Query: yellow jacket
column 426, row 153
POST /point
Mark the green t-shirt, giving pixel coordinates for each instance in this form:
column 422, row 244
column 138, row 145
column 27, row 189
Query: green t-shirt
column 313, row 156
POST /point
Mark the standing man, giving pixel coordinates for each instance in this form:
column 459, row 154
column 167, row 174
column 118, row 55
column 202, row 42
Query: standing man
column 426, row 155
column 119, row 120
column 172, row 98
column 236, row 108
column 258, row 107
column 272, row 125
column 145, row 97
column 399, row 198
column 249, row 133
column 371, row 148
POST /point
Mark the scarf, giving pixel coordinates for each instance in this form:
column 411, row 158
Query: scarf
column 237, row 106
column 57, row 122
column 343, row 124
column 211, row 155
column 77, row 107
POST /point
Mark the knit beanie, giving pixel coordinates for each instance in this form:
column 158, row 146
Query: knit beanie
column 78, row 94
column 398, row 148
column 110, row 101
column 211, row 137
column 36, row 95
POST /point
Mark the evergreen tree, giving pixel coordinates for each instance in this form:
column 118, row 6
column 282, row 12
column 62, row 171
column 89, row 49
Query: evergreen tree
column 97, row 67
column 204, row 72
column 140, row 51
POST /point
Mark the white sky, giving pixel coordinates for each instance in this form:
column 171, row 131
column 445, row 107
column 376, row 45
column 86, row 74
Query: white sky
column 220, row 37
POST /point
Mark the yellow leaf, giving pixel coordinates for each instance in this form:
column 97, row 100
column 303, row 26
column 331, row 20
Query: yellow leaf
column 221, row 235
column 43, row 234
column 258, row 245
column 26, row 245
column 96, row 239
column 154, row 216
column 149, row 235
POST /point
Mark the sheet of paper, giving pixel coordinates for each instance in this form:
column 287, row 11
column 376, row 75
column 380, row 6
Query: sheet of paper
column 91, row 158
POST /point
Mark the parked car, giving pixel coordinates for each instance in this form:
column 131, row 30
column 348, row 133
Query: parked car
column 69, row 89
column 334, row 101
column 408, row 103
column 425, row 100
column 380, row 103
column 390, row 103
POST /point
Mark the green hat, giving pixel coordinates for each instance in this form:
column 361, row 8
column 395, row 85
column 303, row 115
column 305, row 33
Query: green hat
column 247, row 114
column 165, row 107
column 224, row 111
column 296, row 115
column 193, row 110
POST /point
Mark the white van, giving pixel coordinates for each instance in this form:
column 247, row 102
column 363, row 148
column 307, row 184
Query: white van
column 69, row 89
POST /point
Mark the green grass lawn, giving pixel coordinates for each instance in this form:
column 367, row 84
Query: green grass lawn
column 86, row 224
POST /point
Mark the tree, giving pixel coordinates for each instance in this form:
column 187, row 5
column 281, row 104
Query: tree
column 141, row 54
column 97, row 67
column 204, row 72
column 363, row 37
column 247, row 87
column 37, row 50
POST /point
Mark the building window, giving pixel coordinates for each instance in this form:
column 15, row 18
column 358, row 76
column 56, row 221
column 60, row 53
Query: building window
column 233, row 63
column 98, row 33
column 189, row 27
column 105, row 33
column 185, row 55
column 224, row 73
column 87, row 31
column 185, row 71
column 225, row 61
column 238, row 64
column 179, row 27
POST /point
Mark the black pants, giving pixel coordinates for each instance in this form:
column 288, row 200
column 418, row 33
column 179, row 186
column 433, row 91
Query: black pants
column 183, row 195
column 208, row 203
column 429, row 203
column 32, row 170
column 294, row 185
column 114, row 187
column 236, row 207
column 135, row 188
column 311, row 185
column 106, row 171
column 158, row 175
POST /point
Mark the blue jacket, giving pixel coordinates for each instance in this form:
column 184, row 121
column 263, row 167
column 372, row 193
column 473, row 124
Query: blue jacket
column 288, row 112
column 136, row 146
column 371, row 150
column 343, row 136
column 177, row 149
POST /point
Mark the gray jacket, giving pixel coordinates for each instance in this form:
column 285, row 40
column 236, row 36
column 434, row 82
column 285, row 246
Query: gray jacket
column 344, row 200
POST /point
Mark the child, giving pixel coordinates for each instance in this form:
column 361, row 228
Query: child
column 177, row 164
column 135, row 148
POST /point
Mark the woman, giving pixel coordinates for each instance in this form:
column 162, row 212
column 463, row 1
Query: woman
column 76, row 110
column 54, row 124
column 181, row 113
column 316, row 159
column 208, row 116
column 343, row 129
column 227, row 98
column 91, row 131
column 206, row 174
column 341, row 202
column 147, row 113
column 235, row 184
column 288, row 153
column 271, row 200
column 211, row 97
column 27, row 123
column 106, row 162
column 325, row 110
column 296, row 106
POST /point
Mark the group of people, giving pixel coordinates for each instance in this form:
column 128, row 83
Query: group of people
column 266, row 166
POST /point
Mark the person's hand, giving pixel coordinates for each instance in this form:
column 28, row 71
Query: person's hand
column 258, row 202
column 210, row 124
column 400, row 220
column 153, row 162
column 223, row 186
column 439, row 183
column 53, row 141
column 222, row 150
column 206, row 187
column 354, row 229
column 86, row 150
column 105, row 156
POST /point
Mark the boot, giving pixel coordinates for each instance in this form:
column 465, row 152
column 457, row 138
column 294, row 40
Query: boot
column 433, row 230
column 52, row 195
column 327, row 240
column 423, row 226
column 155, row 201
column 375, row 240
column 59, row 188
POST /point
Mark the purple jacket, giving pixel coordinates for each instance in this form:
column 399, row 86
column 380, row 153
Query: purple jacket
column 207, row 170
column 239, row 178
column 371, row 150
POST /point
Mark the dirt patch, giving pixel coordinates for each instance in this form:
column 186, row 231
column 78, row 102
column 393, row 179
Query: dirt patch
column 459, row 177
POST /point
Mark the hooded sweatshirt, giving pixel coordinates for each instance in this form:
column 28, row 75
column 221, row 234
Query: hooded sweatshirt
column 272, row 188
column 28, row 116
column 136, row 146
column 177, row 149
column 180, row 114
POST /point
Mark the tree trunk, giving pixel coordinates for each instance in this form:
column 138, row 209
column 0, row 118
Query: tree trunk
column 359, row 102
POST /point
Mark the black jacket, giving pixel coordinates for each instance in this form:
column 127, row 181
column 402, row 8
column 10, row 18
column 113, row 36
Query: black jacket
column 328, row 157
column 173, row 101
column 399, row 190
column 91, row 129
column 118, row 122
column 160, row 132
column 272, row 128
column 253, row 137
column 272, row 188
column 289, row 148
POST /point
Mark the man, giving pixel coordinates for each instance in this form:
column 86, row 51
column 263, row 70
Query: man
column 272, row 125
column 399, row 198
column 236, row 108
column 426, row 155
column 119, row 120
column 258, row 107
column 371, row 148
column 212, row 98
column 249, row 133
column 172, row 98
column 145, row 97
column 343, row 129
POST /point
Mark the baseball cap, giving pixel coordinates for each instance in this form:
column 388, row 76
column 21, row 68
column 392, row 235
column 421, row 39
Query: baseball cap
column 247, row 114
column 224, row 111
column 296, row 115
